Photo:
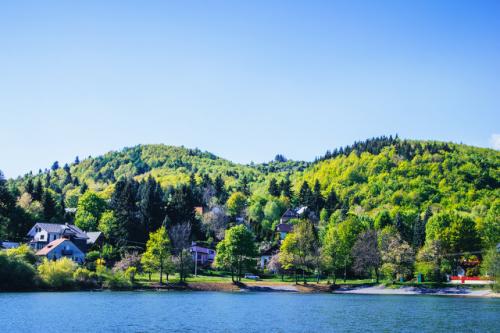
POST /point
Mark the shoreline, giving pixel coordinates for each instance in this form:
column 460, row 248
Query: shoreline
column 283, row 287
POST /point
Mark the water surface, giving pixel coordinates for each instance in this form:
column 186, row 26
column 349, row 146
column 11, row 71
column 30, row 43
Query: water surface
column 243, row 312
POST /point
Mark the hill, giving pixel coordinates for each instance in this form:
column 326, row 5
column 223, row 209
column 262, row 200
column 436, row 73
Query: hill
column 406, row 181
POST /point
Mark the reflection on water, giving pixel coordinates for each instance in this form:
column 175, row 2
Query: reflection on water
column 242, row 312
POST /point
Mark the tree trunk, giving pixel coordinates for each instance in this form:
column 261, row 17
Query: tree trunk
column 296, row 277
column 161, row 274
column 304, row 276
column 149, row 276
column 345, row 270
column 377, row 274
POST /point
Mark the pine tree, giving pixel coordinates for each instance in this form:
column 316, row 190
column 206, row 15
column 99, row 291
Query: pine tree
column 220, row 189
column 273, row 188
column 38, row 191
column 306, row 195
column 84, row 188
column 286, row 187
column 55, row 166
column 332, row 202
column 151, row 206
column 317, row 200
column 49, row 206
column 29, row 188
column 123, row 203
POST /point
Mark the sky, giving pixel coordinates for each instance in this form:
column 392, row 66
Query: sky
column 243, row 79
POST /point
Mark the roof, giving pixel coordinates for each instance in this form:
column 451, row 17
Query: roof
column 9, row 245
column 51, row 246
column 284, row 227
column 65, row 229
column 93, row 236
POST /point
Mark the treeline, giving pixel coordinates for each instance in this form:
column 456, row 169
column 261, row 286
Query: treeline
column 405, row 148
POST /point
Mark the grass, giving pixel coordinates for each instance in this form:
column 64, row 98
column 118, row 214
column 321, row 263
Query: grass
column 212, row 277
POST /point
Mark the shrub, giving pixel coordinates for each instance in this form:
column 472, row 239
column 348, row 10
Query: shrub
column 117, row 281
column 57, row 274
column 25, row 253
column 15, row 273
column 85, row 278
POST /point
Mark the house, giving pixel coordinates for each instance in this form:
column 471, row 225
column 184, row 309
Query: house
column 283, row 229
column 8, row 245
column 203, row 256
column 95, row 238
column 60, row 248
column 41, row 234
column 293, row 213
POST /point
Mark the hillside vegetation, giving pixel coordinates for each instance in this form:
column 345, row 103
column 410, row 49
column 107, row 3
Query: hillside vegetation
column 422, row 193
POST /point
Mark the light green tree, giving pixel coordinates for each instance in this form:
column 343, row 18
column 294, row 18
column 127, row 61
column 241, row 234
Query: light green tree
column 236, row 203
column 236, row 251
column 89, row 211
column 157, row 254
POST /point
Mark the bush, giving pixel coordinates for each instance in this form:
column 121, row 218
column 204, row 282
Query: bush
column 117, row 281
column 91, row 258
column 57, row 274
column 25, row 253
column 15, row 273
column 85, row 278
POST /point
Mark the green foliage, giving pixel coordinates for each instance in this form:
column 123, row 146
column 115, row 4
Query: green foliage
column 236, row 203
column 90, row 208
column 57, row 274
column 236, row 251
column 15, row 272
column 23, row 252
column 157, row 255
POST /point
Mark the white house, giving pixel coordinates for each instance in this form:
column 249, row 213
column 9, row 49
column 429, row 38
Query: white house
column 42, row 234
column 60, row 248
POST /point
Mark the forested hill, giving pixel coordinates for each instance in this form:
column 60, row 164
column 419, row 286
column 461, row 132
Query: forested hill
column 405, row 181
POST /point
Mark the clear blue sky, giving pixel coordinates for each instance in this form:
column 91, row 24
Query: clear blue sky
column 243, row 79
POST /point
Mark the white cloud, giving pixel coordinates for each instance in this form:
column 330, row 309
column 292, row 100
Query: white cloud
column 495, row 141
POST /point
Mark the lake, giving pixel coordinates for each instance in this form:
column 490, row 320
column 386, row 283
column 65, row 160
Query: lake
column 243, row 312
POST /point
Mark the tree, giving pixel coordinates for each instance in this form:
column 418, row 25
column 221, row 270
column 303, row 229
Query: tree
column 273, row 188
column 299, row 246
column 275, row 266
column 236, row 204
column 151, row 206
column 236, row 251
column 49, row 206
column 366, row 254
column 112, row 229
column 286, row 187
column 180, row 236
column 215, row 222
column 305, row 195
column 332, row 202
column 397, row 255
column 89, row 210
column 428, row 261
column 38, row 191
column 317, row 197
column 158, row 250
column 123, row 204
column 55, row 166
column 220, row 189
column 382, row 220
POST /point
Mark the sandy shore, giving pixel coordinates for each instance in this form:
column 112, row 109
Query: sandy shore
column 261, row 286
column 450, row 291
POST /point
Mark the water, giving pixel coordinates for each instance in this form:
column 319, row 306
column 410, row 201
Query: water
column 243, row 312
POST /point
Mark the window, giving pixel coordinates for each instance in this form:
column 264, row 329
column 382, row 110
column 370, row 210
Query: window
column 42, row 237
